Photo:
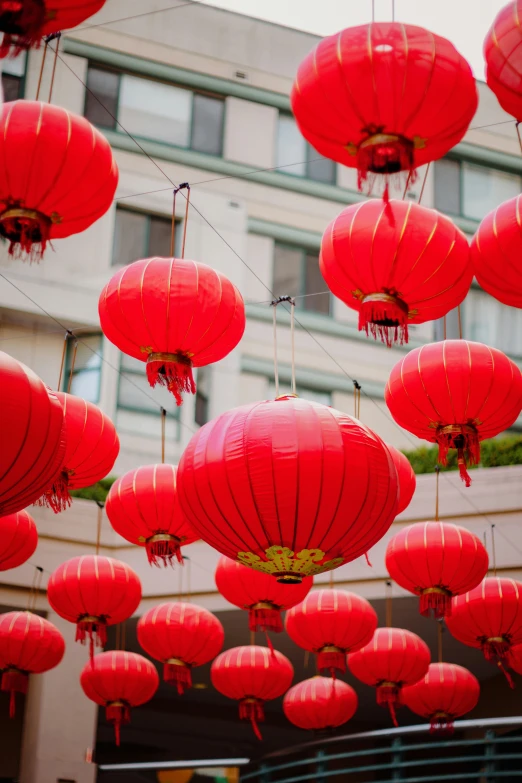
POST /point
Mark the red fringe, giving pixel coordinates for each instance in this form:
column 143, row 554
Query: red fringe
column 442, row 725
column 176, row 376
column 468, row 450
column 390, row 158
column 436, row 604
column 96, row 632
column 27, row 239
column 506, row 674
column 21, row 23
column 265, row 620
column 495, row 651
column 57, row 497
column 119, row 715
column 252, row 710
column 368, row 559
column 13, row 682
column 269, row 644
column 163, row 552
column 331, row 661
column 178, row 675
column 389, row 696
column 384, row 321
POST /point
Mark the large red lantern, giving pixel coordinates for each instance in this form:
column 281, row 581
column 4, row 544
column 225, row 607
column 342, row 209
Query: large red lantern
column 143, row 507
column 496, row 251
column 331, row 623
column 57, row 175
column 28, row 645
column 25, row 22
column 396, row 264
column 181, row 636
column 94, row 591
column 489, row 618
column 436, row 560
column 406, row 475
column 18, row 539
column 251, row 675
column 33, row 436
column 92, row 448
column 264, row 598
column 118, row 681
column 288, row 487
column 503, row 53
column 320, row 703
column 174, row 315
column 455, row 393
column 384, row 98
column 447, row 692
column 394, row 658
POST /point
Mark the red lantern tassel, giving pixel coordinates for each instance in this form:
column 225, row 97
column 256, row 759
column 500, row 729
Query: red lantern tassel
column 93, row 628
column 57, row 497
column 385, row 317
column 265, row 617
column 436, row 601
column 464, row 438
column 387, row 154
column 118, row 713
column 27, row 231
column 252, row 710
column 21, row 23
column 173, row 370
column 162, row 548
column 14, row 681
column 331, row 658
column 177, row 673
column 388, row 695
column 441, row 724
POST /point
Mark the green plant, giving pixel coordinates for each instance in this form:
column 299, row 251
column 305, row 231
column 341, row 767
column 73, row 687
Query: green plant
column 98, row 491
column 506, row 450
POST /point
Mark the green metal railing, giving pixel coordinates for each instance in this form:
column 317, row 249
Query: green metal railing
column 488, row 751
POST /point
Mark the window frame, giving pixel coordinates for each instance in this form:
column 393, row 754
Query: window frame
column 67, row 364
column 22, row 78
column 149, row 216
column 176, row 414
column 301, row 296
column 308, row 149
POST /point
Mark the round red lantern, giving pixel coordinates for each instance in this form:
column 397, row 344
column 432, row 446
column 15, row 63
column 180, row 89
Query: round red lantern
column 503, row 54
column 384, row 98
column 264, row 598
column 447, row 692
column 136, row 309
column 28, row 645
column 288, row 487
column 94, row 592
column 320, row 703
column 33, row 436
column 455, row 393
column 436, row 560
column 396, row 264
column 182, row 636
column 92, row 448
column 143, row 507
column 18, row 539
column 496, row 250
column 57, row 175
column 331, row 623
column 118, row 681
column 25, row 22
column 251, row 675
column 394, row 658
column 489, row 617
column 407, row 480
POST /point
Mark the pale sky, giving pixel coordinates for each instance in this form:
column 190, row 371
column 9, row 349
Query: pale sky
column 464, row 22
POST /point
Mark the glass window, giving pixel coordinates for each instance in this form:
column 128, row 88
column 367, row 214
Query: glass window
column 486, row 320
column 483, row 189
column 320, row 169
column 102, row 91
column 447, row 186
column 314, row 395
column 13, row 72
column 207, row 124
column 202, row 395
column 135, row 393
column 314, row 284
column 288, row 263
column 297, row 274
column 140, row 235
column 86, row 373
column 155, row 110
column 295, row 156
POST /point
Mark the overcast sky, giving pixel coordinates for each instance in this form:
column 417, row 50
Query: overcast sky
column 464, row 22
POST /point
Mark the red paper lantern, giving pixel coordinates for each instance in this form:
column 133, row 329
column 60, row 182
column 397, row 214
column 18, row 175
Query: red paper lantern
column 320, row 703
column 288, row 487
column 447, row 692
column 92, row 448
column 384, row 98
column 143, row 507
column 33, row 436
column 455, row 393
column 436, row 560
column 264, row 598
column 407, row 480
column 251, row 675
column 396, row 264
column 182, row 636
column 496, row 251
column 94, row 592
column 503, row 54
column 489, row 617
column 25, row 22
column 18, row 539
column 57, row 175
column 331, row 623
column 28, row 645
column 137, row 308
column 394, row 658
column 118, row 681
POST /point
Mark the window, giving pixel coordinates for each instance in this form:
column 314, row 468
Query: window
column 314, row 395
column 202, row 395
column 470, row 190
column 486, row 320
column 140, row 235
column 297, row 157
column 297, row 274
column 13, row 75
column 155, row 110
column 135, row 393
column 86, row 373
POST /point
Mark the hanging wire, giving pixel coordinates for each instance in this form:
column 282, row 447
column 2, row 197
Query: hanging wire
column 276, row 370
column 421, row 194
column 163, row 432
column 460, row 322
column 407, row 185
column 493, row 551
column 62, row 363
column 187, row 188
column 53, row 37
column 292, row 336
column 99, row 521
column 35, row 588
column 71, row 371
column 44, row 55
column 437, row 474
column 388, row 604
column 189, row 578
column 274, row 303
column 440, row 631
column 357, row 399
column 444, row 326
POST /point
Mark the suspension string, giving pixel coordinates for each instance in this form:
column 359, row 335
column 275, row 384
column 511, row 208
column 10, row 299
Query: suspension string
column 306, row 660
column 163, row 428
column 388, row 604
column 440, row 631
column 437, row 473
column 180, row 583
column 445, row 326
column 493, row 552
column 357, row 399
column 32, row 589
column 331, row 579
column 173, row 227
column 64, row 354
column 42, row 70
column 252, row 638
column 187, row 187
column 406, row 186
column 99, row 525
column 518, row 134
column 460, row 322
column 189, row 579
column 292, row 333
column 75, row 351
column 424, row 182
column 54, row 36
column 276, row 370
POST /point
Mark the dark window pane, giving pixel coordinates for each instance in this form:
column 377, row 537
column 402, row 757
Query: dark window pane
column 87, row 367
column 12, row 87
column 314, row 284
column 288, row 263
column 102, row 90
column 159, row 237
column 202, row 394
column 447, row 186
column 320, row 169
column 207, row 124
column 130, row 237
column 155, row 110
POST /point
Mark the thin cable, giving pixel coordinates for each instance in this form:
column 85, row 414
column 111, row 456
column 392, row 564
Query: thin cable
column 163, row 430
column 440, row 631
column 292, row 337
column 424, row 181
column 444, row 327
column 137, row 16
column 44, row 55
column 460, row 322
column 57, row 37
column 437, row 473
column 187, row 187
column 62, row 363
column 99, row 525
column 493, row 551
column 173, row 227
column 388, row 604
column 71, row 371
column 276, row 371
